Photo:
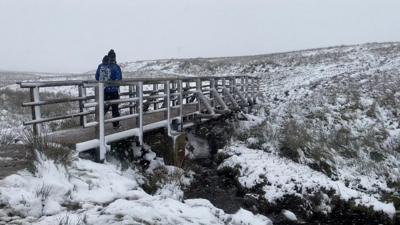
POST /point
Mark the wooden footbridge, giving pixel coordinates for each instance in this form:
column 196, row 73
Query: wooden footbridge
column 174, row 103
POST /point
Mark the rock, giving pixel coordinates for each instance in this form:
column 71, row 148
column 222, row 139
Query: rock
column 289, row 215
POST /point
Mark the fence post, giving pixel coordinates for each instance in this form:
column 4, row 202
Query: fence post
column 242, row 85
column 155, row 92
column 137, row 106
column 131, row 95
column 232, row 83
column 102, row 134
column 212, row 86
column 188, row 89
column 180, row 105
column 167, row 105
column 253, row 89
column 36, row 114
column 232, row 86
column 198, row 87
column 140, row 92
column 247, row 96
column 174, row 90
column 82, row 93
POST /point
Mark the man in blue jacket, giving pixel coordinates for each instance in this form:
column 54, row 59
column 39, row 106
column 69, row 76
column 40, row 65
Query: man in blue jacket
column 110, row 70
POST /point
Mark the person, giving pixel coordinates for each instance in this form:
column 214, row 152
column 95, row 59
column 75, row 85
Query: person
column 109, row 70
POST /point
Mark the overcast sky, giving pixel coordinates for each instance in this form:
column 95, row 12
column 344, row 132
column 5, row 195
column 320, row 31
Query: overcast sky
column 73, row 35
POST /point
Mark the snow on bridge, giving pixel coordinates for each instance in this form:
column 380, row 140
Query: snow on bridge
column 174, row 103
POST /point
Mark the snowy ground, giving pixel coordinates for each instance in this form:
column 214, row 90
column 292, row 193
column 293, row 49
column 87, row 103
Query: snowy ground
column 282, row 177
column 92, row 193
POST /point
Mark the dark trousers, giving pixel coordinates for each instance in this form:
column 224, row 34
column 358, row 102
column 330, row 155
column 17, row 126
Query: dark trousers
column 114, row 107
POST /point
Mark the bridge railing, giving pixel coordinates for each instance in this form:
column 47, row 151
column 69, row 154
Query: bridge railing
column 211, row 96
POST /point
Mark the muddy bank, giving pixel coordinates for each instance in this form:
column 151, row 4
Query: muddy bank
column 13, row 158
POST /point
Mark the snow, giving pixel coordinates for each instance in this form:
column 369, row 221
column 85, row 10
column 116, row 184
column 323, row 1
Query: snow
column 285, row 177
column 5, row 158
column 104, row 195
column 85, row 181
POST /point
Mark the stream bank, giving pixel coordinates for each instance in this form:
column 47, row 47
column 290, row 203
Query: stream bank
column 221, row 186
column 222, row 189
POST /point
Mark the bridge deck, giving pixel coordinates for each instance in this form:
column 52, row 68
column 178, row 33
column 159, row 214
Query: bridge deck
column 80, row 134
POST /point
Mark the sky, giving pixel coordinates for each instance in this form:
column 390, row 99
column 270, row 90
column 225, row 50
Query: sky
column 73, row 35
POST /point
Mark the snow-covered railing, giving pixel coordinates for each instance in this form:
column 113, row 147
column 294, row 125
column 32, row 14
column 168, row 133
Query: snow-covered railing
column 173, row 100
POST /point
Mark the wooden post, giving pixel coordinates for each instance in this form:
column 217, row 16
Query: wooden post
column 247, row 92
column 155, row 92
column 82, row 93
column 198, row 88
column 100, row 116
column 232, row 86
column 242, row 85
column 167, row 105
column 232, row 83
column 173, row 87
column 131, row 95
column 180, row 105
column 137, row 107
column 258, row 87
column 253, row 89
column 187, row 88
column 36, row 114
column 212, row 87
column 140, row 91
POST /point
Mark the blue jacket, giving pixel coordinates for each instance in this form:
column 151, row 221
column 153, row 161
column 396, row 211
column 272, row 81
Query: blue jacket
column 108, row 72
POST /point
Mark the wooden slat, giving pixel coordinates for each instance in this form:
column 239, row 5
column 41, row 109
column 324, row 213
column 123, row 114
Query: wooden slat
column 55, row 101
column 69, row 116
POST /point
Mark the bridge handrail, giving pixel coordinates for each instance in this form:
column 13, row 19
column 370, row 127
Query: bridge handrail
column 33, row 84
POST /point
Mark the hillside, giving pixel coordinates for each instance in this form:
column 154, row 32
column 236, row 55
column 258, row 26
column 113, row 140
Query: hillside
column 325, row 142
column 346, row 95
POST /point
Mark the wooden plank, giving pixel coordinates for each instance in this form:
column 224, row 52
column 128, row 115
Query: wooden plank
column 55, row 101
column 69, row 116
column 51, row 83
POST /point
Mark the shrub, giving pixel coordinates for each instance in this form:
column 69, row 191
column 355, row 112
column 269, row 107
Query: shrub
column 160, row 177
column 294, row 137
column 42, row 143
column 43, row 192
column 7, row 137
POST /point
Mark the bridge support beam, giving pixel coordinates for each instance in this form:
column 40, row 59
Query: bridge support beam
column 242, row 98
column 206, row 102
column 235, row 105
column 219, row 99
